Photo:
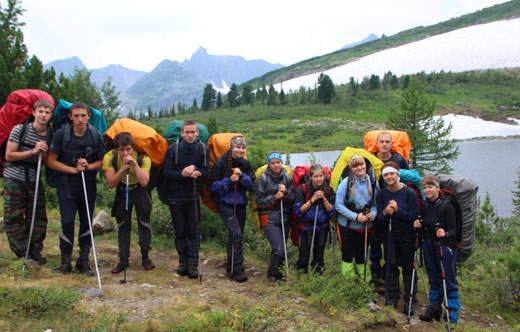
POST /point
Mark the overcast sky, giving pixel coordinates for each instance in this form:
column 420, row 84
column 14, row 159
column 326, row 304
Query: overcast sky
column 140, row 34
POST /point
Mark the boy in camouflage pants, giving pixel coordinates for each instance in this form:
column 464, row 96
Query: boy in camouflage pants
column 24, row 145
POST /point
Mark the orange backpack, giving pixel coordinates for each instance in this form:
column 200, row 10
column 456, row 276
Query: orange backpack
column 217, row 144
column 400, row 142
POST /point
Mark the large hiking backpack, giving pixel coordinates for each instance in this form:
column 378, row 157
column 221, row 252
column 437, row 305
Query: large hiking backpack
column 162, row 183
column 400, row 142
column 146, row 141
column 300, row 176
column 217, row 144
column 462, row 192
column 96, row 124
column 173, row 132
column 17, row 109
column 412, row 179
column 61, row 116
column 252, row 202
column 341, row 168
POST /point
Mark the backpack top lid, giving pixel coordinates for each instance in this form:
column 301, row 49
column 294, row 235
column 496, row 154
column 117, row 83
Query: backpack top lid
column 146, row 139
column 400, row 142
column 18, row 107
column 344, row 159
column 173, row 132
column 465, row 192
column 218, row 144
column 301, row 171
column 61, row 116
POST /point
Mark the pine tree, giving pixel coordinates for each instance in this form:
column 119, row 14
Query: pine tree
column 194, row 107
column 208, row 97
column 325, row 89
column 110, row 101
column 219, row 100
column 233, row 96
column 13, row 52
column 247, row 94
column 212, row 125
column 432, row 149
column 282, row 98
column 34, row 76
column 272, row 96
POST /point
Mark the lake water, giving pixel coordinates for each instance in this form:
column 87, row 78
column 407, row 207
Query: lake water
column 492, row 164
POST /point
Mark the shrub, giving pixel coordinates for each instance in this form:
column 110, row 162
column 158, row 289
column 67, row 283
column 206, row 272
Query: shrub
column 37, row 301
column 330, row 291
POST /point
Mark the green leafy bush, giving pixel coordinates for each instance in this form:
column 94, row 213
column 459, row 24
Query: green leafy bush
column 37, row 301
column 330, row 291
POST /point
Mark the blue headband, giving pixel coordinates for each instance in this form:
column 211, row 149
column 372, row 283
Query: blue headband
column 274, row 155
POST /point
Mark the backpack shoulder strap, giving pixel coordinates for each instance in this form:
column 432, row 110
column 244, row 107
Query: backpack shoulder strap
column 176, row 152
column 114, row 160
column 66, row 135
column 202, row 146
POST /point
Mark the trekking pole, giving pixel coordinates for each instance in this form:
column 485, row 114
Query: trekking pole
column 422, row 274
column 90, row 227
column 197, row 225
column 312, row 242
column 126, row 193
column 388, row 259
column 443, row 274
column 233, row 227
column 284, row 245
column 333, row 244
column 411, row 292
column 416, row 259
column 38, row 170
column 365, row 252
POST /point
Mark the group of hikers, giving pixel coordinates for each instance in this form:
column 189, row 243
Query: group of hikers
column 370, row 213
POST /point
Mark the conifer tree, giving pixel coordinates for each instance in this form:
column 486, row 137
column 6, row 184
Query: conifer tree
column 272, row 96
column 432, row 149
column 212, row 125
column 325, row 89
column 233, row 96
column 13, row 52
column 247, row 94
column 219, row 100
column 208, row 97
column 110, row 101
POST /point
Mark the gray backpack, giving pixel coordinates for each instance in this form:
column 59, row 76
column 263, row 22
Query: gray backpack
column 464, row 190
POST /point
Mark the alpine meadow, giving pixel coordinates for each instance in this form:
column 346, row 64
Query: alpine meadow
column 323, row 116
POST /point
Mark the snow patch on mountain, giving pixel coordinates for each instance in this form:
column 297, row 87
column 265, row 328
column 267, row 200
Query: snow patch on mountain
column 466, row 127
column 484, row 46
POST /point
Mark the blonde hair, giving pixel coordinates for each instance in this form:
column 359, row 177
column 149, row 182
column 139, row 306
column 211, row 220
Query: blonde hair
column 354, row 162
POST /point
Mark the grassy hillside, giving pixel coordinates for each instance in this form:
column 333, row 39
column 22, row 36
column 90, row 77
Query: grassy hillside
column 296, row 127
column 321, row 63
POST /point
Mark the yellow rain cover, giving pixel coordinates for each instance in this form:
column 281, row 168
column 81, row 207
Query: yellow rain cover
column 344, row 158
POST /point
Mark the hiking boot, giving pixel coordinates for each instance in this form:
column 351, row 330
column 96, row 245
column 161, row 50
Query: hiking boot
column 433, row 312
column 239, row 276
column 193, row 264
column 273, row 272
column 121, row 266
column 148, row 264
column 82, row 264
column 182, row 269
column 65, row 266
column 145, row 261
column 37, row 256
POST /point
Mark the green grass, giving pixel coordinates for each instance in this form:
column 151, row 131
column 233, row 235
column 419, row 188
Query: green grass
column 294, row 127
